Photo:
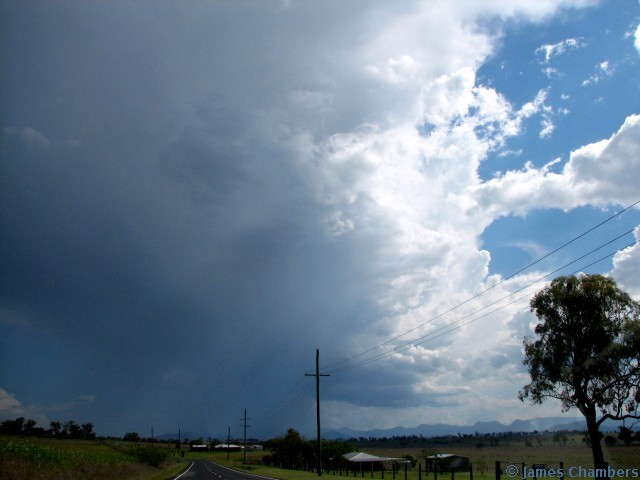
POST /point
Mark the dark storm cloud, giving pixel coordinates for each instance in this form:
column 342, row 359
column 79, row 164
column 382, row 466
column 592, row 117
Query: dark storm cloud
column 384, row 387
column 157, row 231
column 195, row 196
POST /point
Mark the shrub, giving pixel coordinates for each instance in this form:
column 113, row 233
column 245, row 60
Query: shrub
column 412, row 459
column 150, row 455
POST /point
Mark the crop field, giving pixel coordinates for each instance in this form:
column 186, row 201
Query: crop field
column 26, row 458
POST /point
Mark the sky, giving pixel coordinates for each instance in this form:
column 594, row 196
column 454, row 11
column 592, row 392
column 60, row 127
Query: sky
column 197, row 195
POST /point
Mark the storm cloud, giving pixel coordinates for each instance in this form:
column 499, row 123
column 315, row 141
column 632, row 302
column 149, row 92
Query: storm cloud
column 195, row 196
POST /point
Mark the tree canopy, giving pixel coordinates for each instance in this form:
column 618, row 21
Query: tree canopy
column 293, row 451
column 28, row 428
column 586, row 351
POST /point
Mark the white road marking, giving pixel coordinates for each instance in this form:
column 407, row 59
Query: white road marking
column 183, row 473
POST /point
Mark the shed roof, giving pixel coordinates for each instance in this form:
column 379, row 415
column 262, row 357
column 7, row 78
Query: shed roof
column 360, row 457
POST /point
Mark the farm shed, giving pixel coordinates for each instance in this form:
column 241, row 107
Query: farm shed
column 361, row 457
column 199, row 448
column 228, row 446
column 372, row 461
column 446, row 462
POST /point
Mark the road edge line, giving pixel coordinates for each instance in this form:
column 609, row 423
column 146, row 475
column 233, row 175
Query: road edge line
column 184, row 473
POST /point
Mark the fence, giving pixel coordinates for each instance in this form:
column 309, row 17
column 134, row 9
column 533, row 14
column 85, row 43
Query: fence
column 558, row 470
column 504, row 470
column 399, row 471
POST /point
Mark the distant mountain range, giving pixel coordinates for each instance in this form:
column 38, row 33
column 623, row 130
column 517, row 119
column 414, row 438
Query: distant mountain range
column 183, row 436
column 551, row 424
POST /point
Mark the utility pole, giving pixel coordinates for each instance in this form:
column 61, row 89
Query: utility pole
column 244, row 424
column 318, row 375
column 228, row 443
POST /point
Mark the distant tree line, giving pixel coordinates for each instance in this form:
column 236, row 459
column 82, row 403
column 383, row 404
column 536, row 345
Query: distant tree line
column 480, row 440
column 27, row 428
column 476, row 439
column 292, row 451
column 625, row 435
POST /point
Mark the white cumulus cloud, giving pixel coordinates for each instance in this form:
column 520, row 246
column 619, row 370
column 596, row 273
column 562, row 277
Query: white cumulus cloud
column 626, row 265
column 598, row 174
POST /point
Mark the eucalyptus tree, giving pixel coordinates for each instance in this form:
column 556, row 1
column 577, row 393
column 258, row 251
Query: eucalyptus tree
column 586, row 351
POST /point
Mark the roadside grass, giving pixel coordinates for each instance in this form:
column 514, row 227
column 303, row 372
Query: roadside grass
column 170, row 469
column 26, row 458
column 541, row 452
column 545, row 452
column 48, row 459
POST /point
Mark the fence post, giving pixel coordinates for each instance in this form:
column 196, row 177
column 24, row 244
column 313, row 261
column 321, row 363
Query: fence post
column 522, row 472
column 419, row 471
column 562, row 470
column 498, row 471
column 470, row 471
column 452, row 474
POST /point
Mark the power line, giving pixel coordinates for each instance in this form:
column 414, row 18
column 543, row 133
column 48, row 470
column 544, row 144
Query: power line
column 407, row 345
column 429, row 336
column 288, row 401
column 455, row 307
column 455, row 325
column 522, row 297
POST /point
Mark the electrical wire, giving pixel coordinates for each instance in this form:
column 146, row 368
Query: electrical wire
column 524, row 296
column 455, row 307
column 429, row 336
column 290, row 401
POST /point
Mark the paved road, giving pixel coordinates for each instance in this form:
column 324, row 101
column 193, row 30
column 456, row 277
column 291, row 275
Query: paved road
column 206, row 470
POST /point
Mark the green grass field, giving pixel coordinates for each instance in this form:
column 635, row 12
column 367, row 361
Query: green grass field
column 24, row 458
column 541, row 451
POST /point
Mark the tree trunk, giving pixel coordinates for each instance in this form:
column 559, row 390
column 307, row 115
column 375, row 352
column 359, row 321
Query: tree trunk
column 594, row 438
